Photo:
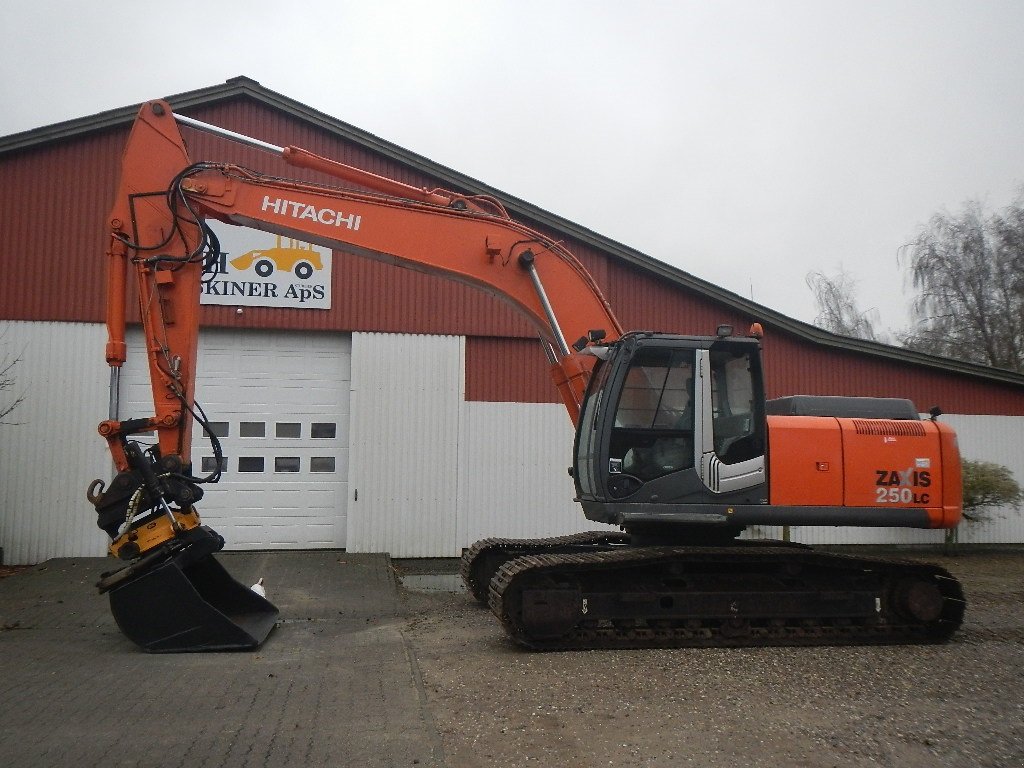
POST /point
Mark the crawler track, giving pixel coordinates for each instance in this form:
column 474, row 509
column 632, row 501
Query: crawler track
column 644, row 597
column 481, row 561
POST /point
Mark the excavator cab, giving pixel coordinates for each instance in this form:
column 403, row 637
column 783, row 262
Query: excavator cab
column 671, row 428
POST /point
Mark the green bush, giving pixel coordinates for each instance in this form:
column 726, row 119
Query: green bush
column 987, row 485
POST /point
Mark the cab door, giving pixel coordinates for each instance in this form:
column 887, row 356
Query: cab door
column 731, row 424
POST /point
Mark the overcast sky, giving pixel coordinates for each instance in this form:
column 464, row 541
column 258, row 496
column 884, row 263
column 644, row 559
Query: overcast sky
column 747, row 143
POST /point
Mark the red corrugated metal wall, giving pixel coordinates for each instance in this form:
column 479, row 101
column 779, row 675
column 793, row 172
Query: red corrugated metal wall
column 642, row 302
column 54, row 201
column 796, row 367
column 515, row 370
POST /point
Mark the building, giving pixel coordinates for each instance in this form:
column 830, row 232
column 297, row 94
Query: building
column 413, row 415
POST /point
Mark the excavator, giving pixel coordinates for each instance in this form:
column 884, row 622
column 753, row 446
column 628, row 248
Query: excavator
column 675, row 443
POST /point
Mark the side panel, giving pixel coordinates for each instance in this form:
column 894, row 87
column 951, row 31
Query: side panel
column 871, row 463
column 890, row 464
column 49, row 449
column 513, row 473
column 407, row 392
column 805, row 461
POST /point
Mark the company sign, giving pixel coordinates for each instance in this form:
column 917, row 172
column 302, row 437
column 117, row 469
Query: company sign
column 258, row 269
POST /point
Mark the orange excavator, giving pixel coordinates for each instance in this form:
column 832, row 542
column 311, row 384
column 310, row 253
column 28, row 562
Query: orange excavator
column 675, row 442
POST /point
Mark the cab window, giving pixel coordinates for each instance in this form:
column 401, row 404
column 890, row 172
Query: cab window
column 652, row 434
column 735, row 413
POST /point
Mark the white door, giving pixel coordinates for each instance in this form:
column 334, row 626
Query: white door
column 279, row 401
column 407, row 392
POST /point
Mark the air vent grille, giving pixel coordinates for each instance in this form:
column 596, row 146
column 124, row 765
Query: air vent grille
column 889, row 428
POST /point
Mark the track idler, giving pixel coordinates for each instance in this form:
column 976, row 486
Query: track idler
column 179, row 598
column 481, row 561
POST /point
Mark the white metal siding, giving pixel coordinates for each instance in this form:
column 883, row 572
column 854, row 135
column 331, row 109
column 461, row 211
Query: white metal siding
column 514, row 480
column 49, row 449
column 999, row 439
column 436, row 473
column 406, row 396
column 267, row 378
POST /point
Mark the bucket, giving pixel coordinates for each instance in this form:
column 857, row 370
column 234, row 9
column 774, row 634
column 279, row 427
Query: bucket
column 187, row 602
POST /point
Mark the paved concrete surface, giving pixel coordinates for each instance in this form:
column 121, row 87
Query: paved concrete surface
column 334, row 685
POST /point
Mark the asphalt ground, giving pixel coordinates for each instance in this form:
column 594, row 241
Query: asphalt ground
column 335, row 684
column 365, row 671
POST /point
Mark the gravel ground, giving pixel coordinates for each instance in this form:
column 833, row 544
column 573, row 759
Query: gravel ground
column 959, row 704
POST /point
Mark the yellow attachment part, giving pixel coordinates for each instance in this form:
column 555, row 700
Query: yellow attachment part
column 139, row 541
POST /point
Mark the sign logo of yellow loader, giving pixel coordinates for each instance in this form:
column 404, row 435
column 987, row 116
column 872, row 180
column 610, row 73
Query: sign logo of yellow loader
column 297, row 257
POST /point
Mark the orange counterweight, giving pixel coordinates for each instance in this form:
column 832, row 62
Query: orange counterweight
column 868, row 463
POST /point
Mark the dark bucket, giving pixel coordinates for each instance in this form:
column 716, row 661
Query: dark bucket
column 180, row 606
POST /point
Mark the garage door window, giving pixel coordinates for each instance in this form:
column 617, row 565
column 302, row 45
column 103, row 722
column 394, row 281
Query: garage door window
column 252, row 429
column 219, row 428
column 250, row 463
column 326, row 430
column 321, row 464
column 287, row 464
column 288, row 429
column 209, row 464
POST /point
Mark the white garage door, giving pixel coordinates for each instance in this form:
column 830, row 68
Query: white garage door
column 280, row 403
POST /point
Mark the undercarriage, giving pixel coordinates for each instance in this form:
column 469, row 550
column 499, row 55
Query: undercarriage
column 596, row 590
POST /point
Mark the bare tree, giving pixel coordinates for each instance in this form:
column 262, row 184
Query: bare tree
column 836, row 298
column 968, row 271
column 8, row 400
